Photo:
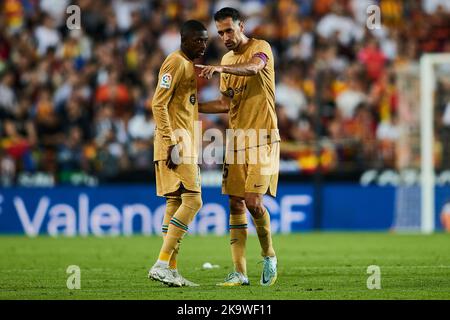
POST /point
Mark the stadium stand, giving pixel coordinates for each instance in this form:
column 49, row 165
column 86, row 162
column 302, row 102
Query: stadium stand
column 75, row 104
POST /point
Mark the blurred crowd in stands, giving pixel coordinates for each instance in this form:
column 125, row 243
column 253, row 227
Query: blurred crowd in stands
column 77, row 103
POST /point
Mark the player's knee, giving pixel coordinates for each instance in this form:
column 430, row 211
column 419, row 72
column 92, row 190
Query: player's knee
column 192, row 200
column 197, row 202
column 237, row 205
column 172, row 204
column 254, row 205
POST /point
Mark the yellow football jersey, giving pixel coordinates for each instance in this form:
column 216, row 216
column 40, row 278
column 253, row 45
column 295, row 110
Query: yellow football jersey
column 252, row 97
column 175, row 107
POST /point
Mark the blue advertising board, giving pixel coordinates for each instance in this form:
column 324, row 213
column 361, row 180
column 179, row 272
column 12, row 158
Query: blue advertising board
column 135, row 209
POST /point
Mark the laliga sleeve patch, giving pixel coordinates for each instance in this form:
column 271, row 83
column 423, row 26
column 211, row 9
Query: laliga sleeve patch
column 166, row 81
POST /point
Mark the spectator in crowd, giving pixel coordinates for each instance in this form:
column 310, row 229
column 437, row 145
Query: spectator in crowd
column 47, row 35
column 7, row 95
column 352, row 95
column 70, row 152
column 337, row 25
column 290, row 96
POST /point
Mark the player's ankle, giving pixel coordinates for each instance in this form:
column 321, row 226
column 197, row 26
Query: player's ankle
column 241, row 273
column 162, row 263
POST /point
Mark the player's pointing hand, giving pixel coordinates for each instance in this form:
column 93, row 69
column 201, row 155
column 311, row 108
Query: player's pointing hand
column 208, row 71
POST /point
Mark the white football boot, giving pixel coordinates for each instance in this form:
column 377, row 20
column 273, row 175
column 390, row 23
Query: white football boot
column 184, row 282
column 164, row 275
column 269, row 273
column 234, row 279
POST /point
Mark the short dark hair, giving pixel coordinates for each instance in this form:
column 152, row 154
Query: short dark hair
column 191, row 26
column 227, row 12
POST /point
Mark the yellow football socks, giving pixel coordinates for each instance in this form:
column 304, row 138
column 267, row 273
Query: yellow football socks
column 178, row 225
column 264, row 235
column 238, row 239
column 172, row 205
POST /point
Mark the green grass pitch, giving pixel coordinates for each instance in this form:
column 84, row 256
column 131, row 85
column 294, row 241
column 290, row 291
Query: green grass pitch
column 311, row 266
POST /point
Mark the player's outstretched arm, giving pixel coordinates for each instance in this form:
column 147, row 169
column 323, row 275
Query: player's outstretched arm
column 249, row 68
column 216, row 106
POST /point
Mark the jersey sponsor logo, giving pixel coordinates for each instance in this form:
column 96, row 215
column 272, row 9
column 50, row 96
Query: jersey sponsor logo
column 192, row 99
column 230, row 92
column 240, row 89
column 166, row 81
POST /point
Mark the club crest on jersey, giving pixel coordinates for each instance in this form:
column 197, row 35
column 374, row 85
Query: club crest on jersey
column 166, row 81
column 192, row 99
column 229, row 93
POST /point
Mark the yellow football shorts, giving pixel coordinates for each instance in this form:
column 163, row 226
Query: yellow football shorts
column 184, row 175
column 252, row 170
